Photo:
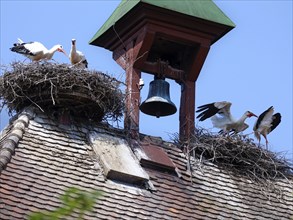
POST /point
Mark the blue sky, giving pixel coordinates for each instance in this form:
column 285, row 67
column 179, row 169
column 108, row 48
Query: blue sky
column 251, row 66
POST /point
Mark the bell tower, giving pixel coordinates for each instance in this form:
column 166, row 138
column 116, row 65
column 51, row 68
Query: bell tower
column 168, row 39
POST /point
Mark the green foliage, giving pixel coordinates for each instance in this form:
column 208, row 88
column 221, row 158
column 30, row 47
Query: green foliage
column 73, row 200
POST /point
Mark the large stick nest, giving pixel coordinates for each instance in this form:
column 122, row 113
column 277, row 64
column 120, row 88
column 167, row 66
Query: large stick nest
column 51, row 86
column 236, row 153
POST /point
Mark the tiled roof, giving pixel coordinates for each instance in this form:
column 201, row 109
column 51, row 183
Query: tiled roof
column 40, row 158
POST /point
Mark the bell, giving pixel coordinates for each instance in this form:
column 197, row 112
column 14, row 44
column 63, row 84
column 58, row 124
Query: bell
column 158, row 102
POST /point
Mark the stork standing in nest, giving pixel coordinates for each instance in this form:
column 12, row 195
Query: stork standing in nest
column 266, row 123
column 36, row 51
column 221, row 117
column 76, row 57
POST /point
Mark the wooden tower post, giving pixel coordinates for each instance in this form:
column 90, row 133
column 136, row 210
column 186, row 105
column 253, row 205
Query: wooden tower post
column 146, row 35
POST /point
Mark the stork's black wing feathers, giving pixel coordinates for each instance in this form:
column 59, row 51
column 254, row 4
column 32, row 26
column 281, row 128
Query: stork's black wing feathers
column 261, row 116
column 207, row 111
column 276, row 121
column 20, row 48
column 85, row 63
column 204, row 106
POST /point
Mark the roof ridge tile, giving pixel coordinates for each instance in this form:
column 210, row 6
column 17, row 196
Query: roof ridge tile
column 12, row 138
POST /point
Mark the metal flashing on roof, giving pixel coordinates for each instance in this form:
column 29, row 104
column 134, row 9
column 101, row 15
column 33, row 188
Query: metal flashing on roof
column 155, row 157
column 117, row 159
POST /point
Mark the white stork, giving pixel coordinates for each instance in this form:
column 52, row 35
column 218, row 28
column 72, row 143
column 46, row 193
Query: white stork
column 266, row 123
column 76, row 57
column 221, row 117
column 35, row 50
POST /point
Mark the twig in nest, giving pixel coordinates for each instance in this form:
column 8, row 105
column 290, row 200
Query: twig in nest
column 52, row 85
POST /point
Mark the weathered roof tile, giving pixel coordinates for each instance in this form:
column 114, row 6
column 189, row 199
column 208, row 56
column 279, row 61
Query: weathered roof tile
column 42, row 159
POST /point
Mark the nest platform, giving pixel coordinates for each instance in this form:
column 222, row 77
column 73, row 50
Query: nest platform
column 50, row 86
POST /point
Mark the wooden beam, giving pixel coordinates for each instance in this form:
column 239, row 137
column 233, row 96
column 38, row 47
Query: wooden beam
column 142, row 41
column 198, row 62
column 145, row 40
column 187, row 107
column 171, row 73
column 179, row 34
column 125, row 57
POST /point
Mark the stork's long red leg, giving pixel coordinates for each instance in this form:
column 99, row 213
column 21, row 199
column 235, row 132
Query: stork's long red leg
column 267, row 142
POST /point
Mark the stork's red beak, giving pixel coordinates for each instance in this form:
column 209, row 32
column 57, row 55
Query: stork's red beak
column 62, row 51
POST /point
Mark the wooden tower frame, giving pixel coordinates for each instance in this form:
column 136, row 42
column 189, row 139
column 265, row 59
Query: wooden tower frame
column 156, row 40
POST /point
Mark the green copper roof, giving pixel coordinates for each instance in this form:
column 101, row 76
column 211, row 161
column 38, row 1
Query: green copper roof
column 205, row 9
